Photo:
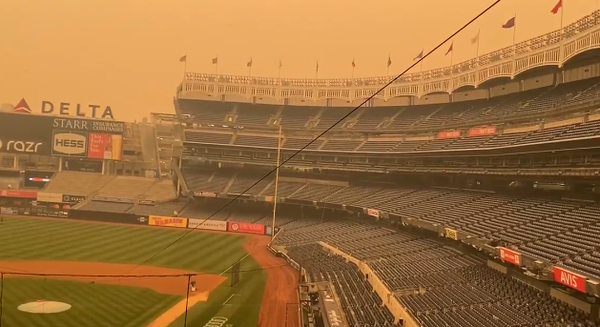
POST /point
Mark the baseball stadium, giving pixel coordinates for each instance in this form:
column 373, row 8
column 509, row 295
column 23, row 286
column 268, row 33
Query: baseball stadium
column 464, row 196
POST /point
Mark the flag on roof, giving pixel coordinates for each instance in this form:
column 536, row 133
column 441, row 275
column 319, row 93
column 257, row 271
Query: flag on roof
column 215, row 60
column 317, row 69
column 183, row 58
column 450, row 48
column 419, row 56
column 510, row 23
column 557, row 7
column 249, row 63
column 22, row 107
column 389, row 63
column 475, row 39
column 353, row 63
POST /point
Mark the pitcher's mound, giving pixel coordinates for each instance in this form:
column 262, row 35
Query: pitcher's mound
column 42, row 306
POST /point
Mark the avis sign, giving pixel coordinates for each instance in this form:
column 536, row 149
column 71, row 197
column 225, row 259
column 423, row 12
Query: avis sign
column 570, row 279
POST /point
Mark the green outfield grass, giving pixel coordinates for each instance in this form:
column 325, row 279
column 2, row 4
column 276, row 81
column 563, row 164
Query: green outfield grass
column 26, row 239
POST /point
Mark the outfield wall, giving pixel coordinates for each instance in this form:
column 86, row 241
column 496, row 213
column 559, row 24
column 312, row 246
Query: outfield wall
column 57, row 211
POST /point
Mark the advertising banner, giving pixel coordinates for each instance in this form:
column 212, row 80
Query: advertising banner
column 510, row 256
column 69, row 143
column 451, row 233
column 269, row 230
column 205, row 194
column 112, row 199
column 482, row 131
column 246, row 228
column 448, row 134
column 26, row 134
column 209, row 224
column 105, row 146
column 89, row 125
column 72, row 199
column 373, row 213
column 18, row 194
column 146, row 202
column 50, row 197
column 167, row 221
column 570, row 279
column 83, row 165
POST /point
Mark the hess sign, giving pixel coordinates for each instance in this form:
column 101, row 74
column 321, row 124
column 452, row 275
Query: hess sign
column 69, row 144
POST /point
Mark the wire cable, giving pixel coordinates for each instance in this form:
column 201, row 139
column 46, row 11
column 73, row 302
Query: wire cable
column 283, row 162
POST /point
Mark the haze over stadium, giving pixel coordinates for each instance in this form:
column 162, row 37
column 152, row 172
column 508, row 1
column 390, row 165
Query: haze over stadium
column 464, row 194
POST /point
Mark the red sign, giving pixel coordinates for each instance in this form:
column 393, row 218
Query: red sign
column 246, row 228
column 18, row 194
column 373, row 213
column 448, row 135
column 510, row 256
column 570, row 279
column 482, row 131
column 105, row 146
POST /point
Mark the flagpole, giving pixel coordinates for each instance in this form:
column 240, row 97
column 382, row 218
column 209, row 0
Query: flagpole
column 279, row 71
column 514, row 59
column 477, row 56
column 217, row 66
column 478, row 40
column 560, row 47
column 275, row 195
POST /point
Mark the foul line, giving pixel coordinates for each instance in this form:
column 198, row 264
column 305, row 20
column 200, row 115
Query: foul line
column 226, row 270
column 229, row 298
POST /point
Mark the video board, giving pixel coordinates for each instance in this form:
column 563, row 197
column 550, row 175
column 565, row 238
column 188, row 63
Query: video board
column 60, row 136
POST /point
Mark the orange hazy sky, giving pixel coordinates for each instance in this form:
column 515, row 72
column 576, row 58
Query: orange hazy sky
column 125, row 53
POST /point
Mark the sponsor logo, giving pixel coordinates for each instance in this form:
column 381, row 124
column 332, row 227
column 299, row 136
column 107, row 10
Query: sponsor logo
column 142, row 219
column 69, row 143
column 89, row 125
column 19, row 146
column 73, row 198
column 217, row 322
column 66, row 108
column 570, row 279
column 167, row 221
column 510, row 256
column 22, row 107
column 247, row 228
column 451, row 233
column 203, row 224
column 373, row 213
column 147, row 202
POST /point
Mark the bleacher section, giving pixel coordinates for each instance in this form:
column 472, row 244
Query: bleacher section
column 161, row 190
column 126, row 187
column 77, row 183
column 589, row 128
column 439, row 286
column 403, row 118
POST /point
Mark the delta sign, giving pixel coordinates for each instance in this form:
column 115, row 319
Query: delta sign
column 67, row 109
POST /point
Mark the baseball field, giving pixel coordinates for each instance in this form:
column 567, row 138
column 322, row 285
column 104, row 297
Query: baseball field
column 66, row 273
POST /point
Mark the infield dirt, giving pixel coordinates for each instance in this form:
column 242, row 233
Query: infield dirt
column 92, row 272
